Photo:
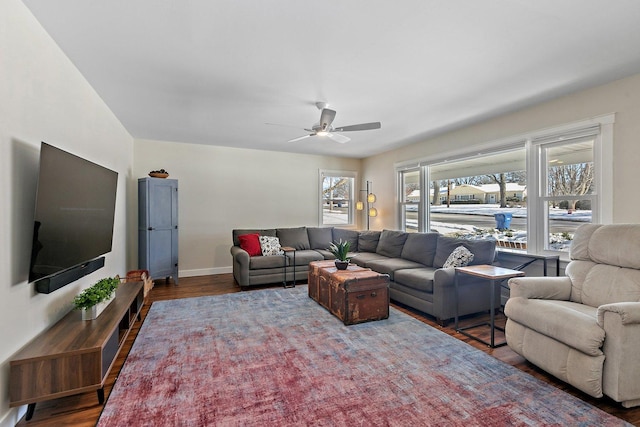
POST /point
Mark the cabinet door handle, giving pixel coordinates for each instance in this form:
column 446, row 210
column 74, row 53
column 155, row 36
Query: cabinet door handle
column 373, row 294
column 150, row 228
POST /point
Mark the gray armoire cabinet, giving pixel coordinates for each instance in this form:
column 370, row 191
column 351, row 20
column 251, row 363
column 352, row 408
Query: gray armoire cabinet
column 158, row 227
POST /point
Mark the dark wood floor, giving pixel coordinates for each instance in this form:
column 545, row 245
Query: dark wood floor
column 84, row 410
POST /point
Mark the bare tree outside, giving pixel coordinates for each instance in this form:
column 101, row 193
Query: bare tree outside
column 502, row 183
column 575, row 180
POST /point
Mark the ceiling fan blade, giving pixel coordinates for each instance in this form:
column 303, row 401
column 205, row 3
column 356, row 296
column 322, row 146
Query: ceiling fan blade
column 300, row 138
column 362, row 126
column 326, row 118
column 338, row 138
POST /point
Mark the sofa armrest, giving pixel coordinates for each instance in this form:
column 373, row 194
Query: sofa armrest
column 552, row 288
column 240, row 265
column 444, row 277
column 240, row 256
column 629, row 312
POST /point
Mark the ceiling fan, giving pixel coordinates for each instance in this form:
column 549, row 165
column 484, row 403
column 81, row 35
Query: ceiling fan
column 324, row 127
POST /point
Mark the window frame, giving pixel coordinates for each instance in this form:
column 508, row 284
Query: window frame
column 403, row 203
column 353, row 176
column 602, row 201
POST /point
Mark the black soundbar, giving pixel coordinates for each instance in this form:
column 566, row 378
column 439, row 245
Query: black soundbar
column 50, row 284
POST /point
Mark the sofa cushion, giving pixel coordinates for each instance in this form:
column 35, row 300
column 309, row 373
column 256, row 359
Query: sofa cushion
column 262, row 262
column 483, row 250
column 241, row 231
column 350, row 236
column 389, row 265
column 368, row 241
column 304, row 257
column 391, row 243
column 568, row 322
column 326, row 254
column 420, row 247
column 294, row 237
column 251, row 243
column 270, row 245
column 417, row 278
column 320, row 237
column 364, row 258
column 460, row 257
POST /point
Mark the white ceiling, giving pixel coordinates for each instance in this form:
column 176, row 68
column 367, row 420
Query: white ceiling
column 217, row 72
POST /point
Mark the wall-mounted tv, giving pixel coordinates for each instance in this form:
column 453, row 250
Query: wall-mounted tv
column 73, row 222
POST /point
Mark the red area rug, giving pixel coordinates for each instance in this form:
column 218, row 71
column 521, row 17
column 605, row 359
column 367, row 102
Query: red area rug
column 275, row 357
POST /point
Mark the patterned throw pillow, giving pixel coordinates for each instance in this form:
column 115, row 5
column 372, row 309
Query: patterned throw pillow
column 460, row 257
column 270, row 245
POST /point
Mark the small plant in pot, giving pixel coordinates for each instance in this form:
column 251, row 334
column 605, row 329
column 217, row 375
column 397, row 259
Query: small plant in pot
column 90, row 300
column 340, row 250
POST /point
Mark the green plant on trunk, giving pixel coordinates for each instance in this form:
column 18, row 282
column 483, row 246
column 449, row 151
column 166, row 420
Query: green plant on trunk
column 340, row 250
column 97, row 293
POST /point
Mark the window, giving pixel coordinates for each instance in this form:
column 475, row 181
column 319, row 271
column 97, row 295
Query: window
column 410, row 196
column 567, row 190
column 529, row 192
column 336, row 198
column 466, row 195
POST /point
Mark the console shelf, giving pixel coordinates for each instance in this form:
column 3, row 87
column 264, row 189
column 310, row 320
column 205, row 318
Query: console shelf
column 74, row 355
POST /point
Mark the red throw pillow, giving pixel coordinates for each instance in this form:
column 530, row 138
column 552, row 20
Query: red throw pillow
column 250, row 243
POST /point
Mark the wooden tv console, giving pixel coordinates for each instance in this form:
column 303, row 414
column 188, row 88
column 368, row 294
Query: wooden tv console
column 74, row 355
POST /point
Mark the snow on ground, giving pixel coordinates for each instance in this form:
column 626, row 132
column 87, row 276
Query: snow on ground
column 518, row 238
column 490, row 210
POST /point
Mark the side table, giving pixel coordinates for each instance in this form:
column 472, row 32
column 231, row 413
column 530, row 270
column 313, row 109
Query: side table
column 495, row 275
column 286, row 249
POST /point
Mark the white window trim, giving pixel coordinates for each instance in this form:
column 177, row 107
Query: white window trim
column 400, row 198
column 322, row 173
column 603, row 156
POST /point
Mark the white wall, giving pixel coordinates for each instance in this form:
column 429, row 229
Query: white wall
column 619, row 97
column 43, row 97
column 225, row 188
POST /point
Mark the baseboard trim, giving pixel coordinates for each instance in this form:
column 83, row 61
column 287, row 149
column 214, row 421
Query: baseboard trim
column 205, row 271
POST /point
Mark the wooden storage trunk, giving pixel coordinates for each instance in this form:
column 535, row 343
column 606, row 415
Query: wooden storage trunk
column 354, row 295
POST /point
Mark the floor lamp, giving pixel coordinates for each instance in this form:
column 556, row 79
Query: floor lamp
column 371, row 198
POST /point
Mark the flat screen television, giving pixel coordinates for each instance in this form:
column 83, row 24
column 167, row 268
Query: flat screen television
column 73, row 222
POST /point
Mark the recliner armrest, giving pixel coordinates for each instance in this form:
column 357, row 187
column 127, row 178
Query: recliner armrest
column 553, row 288
column 629, row 312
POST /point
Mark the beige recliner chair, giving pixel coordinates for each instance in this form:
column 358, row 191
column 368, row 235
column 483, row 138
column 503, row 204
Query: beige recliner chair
column 585, row 328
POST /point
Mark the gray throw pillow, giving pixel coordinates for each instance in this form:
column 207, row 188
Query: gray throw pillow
column 368, row 241
column 420, row 247
column 351, row 236
column 320, row 237
column 294, row 237
column 391, row 243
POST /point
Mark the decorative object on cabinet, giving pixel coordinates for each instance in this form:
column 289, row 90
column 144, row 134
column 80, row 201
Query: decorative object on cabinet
column 93, row 300
column 159, row 174
column 158, row 227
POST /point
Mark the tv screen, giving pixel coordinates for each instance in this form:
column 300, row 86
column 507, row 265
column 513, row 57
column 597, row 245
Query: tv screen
column 75, row 207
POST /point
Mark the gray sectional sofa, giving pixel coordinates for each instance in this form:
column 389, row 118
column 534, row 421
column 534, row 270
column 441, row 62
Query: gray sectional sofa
column 413, row 262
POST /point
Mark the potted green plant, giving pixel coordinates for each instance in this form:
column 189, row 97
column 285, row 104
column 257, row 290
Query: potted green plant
column 340, row 250
column 93, row 300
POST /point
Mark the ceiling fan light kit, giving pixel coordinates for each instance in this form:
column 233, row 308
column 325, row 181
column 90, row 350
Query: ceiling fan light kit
column 324, row 127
